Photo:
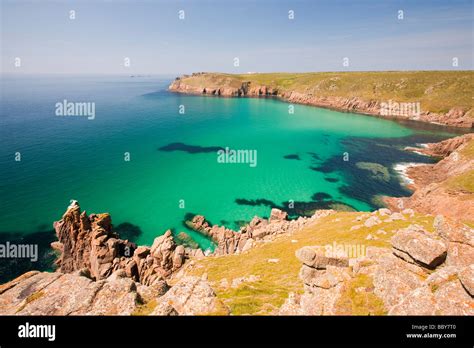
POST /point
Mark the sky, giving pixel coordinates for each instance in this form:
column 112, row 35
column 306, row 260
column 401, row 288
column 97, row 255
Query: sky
column 150, row 34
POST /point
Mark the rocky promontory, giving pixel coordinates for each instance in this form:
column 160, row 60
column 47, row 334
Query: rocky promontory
column 384, row 94
column 445, row 187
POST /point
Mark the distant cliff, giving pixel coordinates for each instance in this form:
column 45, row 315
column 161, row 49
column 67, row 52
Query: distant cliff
column 441, row 97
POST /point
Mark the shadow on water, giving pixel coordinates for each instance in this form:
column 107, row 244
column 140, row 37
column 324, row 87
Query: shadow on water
column 127, row 230
column 292, row 157
column 193, row 149
column 320, row 200
column 11, row 268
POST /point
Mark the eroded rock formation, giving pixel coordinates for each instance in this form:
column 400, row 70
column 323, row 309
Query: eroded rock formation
column 88, row 242
column 439, row 188
column 232, row 242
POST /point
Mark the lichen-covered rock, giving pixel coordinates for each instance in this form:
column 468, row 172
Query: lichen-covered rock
column 88, row 242
column 277, row 215
column 413, row 244
column 317, row 257
column 466, row 276
column 190, row 296
column 420, row 301
column 68, row 294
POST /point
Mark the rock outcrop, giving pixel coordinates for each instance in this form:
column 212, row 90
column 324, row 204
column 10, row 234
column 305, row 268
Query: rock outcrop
column 88, row 242
column 422, row 274
column 43, row 293
column 190, row 296
column 439, row 188
column 259, row 229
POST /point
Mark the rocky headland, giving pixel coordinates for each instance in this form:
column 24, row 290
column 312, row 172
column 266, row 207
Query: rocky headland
column 446, row 187
column 365, row 93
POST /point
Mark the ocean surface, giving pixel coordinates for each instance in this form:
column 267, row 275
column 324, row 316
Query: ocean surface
column 313, row 158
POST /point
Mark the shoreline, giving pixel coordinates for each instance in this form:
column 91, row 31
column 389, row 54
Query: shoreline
column 232, row 86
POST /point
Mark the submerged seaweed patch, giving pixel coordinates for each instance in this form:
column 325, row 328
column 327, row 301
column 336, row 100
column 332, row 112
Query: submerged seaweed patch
column 255, row 202
column 331, row 179
column 193, row 149
column 369, row 171
column 127, row 230
column 320, row 200
column 13, row 267
column 293, row 157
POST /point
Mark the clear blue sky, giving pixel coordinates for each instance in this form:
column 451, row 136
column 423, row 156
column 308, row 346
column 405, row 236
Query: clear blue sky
column 259, row 33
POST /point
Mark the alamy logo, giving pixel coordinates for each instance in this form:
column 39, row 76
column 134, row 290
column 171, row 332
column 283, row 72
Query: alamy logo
column 37, row 331
column 67, row 108
column 20, row 251
column 392, row 108
column 237, row 156
column 351, row 251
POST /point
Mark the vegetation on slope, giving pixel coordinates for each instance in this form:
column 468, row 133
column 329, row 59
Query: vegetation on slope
column 277, row 280
column 437, row 91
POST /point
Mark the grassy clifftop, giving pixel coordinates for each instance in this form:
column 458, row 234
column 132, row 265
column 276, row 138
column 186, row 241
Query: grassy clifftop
column 436, row 91
column 275, row 280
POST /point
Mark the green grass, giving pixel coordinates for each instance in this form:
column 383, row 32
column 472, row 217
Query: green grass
column 463, row 182
column 358, row 298
column 437, row 91
column 277, row 280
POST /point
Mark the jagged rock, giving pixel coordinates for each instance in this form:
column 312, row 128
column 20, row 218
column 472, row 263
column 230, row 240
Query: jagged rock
column 453, row 232
column 232, row 242
column 372, row 221
column 420, row 301
column 68, row 294
column 277, row 215
column 413, row 244
column 257, row 222
column 452, row 299
column 88, row 242
column 385, row 212
column 460, row 255
column 323, row 278
column 394, row 279
column 164, row 309
column 248, row 245
column 466, row 277
column 190, row 296
column 317, row 257
column 141, row 252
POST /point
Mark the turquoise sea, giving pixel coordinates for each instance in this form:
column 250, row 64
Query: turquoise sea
column 173, row 161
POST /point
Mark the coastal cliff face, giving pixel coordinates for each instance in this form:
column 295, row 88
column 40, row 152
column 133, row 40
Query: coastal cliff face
column 339, row 91
column 446, row 187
